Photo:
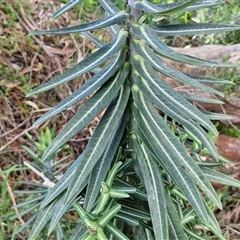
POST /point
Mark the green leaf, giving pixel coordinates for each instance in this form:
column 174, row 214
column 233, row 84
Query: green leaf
column 163, row 92
column 145, row 33
column 116, row 232
column 154, row 186
column 193, row 29
column 115, row 18
column 115, row 193
column 134, row 212
column 171, row 110
column 158, row 64
column 127, row 219
column 218, row 177
column 108, row 215
column 28, row 210
column 194, row 98
column 59, row 210
column 43, row 216
column 66, row 8
column 101, row 169
column 27, row 224
column 195, row 6
column 33, row 200
column 86, row 89
column 99, row 140
column 79, row 231
column 88, row 111
column 63, row 183
column 93, row 39
column 86, row 65
column 216, row 116
column 146, row 6
column 175, row 227
column 167, row 140
column 108, row 6
column 204, row 79
column 169, row 163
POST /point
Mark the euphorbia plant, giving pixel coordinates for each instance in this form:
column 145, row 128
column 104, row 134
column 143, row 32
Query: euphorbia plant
column 135, row 179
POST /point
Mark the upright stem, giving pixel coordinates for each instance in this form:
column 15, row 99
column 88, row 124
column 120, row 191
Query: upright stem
column 135, row 13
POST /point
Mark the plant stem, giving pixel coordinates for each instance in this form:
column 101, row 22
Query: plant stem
column 135, row 13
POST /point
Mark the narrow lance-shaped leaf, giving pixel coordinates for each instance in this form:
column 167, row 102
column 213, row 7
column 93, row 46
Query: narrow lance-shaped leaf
column 179, row 176
column 79, row 231
column 216, row 116
column 218, row 177
column 147, row 6
column 86, row 65
column 93, row 39
column 162, row 49
column 192, row 29
column 99, row 140
column 164, row 90
column 63, row 183
column 175, row 227
column 197, row 5
column 101, row 169
column 42, row 219
column 59, row 210
column 101, row 23
column 177, row 114
column 168, row 141
column 108, row 6
column 66, row 8
column 113, row 29
column 199, row 99
column 205, row 79
column 157, row 63
column 116, row 232
column 88, row 111
column 155, row 190
column 87, row 88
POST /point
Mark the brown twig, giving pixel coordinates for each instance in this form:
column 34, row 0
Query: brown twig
column 10, row 192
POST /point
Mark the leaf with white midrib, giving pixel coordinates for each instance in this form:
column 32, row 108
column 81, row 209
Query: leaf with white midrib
column 218, row 177
column 174, row 147
column 59, row 210
column 86, row 65
column 108, row 6
column 93, row 39
column 101, row 23
column 175, row 227
column 192, row 29
column 157, row 63
column 87, row 112
column 149, row 7
column 145, row 33
column 199, row 99
column 205, row 79
column 155, row 190
column 99, row 141
column 66, row 8
column 86, row 89
column 42, row 219
column 197, row 5
column 101, row 169
column 62, row 183
column 216, row 116
column 146, row 72
column 178, row 174
column 176, row 113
